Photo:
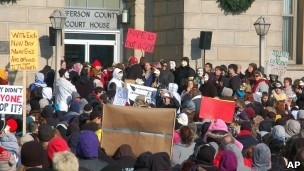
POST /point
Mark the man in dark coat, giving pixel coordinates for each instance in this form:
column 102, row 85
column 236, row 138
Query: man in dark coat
column 183, row 72
column 135, row 71
column 245, row 136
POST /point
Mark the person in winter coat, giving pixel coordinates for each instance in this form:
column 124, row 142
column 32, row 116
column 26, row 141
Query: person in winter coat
column 39, row 81
column 239, row 156
column 84, row 85
column 184, row 149
column 117, row 78
column 245, row 136
column 183, row 72
column 135, row 70
column 64, row 90
column 261, row 159
column 260, row 85
column 87, row 151
column 148, row 76
column 165, row 73
column 125, row 157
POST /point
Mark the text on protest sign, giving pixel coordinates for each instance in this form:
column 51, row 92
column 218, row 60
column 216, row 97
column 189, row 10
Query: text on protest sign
column 135, row 90
column 24, row 49
column 278, row 62
column 137, row 39
column 217, row 109
column 11, row 99
column 121, row 96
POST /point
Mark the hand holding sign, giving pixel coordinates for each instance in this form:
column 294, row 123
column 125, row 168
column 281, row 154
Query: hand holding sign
column 137, row 39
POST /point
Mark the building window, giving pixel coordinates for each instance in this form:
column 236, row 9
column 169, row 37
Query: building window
column 288, row 27
column 105, row 4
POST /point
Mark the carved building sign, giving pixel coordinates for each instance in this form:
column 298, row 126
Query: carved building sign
column 87, row 19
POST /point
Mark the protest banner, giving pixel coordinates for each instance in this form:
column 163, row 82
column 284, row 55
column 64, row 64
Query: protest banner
column 121, row 96
column 212, row 108
column 135, row 90
column 278, row 62
column 143, row 40
column 136, row 126
column 24, row 49
column 11, row 99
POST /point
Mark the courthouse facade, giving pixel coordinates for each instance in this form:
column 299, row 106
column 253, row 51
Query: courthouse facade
column 94, row 30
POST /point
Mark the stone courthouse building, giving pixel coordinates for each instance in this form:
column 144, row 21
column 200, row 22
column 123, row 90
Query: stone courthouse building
column 94, row 30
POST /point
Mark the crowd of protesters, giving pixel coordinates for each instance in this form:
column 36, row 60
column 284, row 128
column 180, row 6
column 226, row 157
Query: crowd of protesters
column 64, row 119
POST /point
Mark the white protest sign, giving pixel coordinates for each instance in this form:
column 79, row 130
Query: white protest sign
column 278, row 62
column 11, row 99
column 121, row 96
column 135, row 90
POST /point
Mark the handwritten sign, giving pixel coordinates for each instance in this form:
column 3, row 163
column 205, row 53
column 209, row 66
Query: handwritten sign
column 278, row 62
column 24, row 49
column 11, row 99
column 121, row 96
column 135, row 90
column 210, row 109
column 137, row 39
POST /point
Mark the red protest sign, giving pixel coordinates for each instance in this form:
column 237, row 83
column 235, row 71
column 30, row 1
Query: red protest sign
column 137, row 39
column 217, row 109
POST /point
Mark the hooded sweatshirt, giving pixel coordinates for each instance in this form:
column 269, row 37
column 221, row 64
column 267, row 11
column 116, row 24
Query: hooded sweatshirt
column 115, row 79
column 64, row 90
column 87, row 151
column 261, row 159
column 239, row 156
column 39, row 81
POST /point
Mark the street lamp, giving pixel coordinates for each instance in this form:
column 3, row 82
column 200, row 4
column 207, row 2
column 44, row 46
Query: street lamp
column 261, row 28
column 57, row 19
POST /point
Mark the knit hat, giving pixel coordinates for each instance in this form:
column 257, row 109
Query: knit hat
column 205, row 154
column 75, row 107
column 75, row 95
column 32, row 154
column 45, row 133
column 300, row 114
column 87, row 108
column 250, row 112
column 35, row 105
column 26, row 138
column 243, row 116
column 95, row 114
column 86, row 64
column 48, row 112
column 96, row 63
column 182, row 118
column 43, row 102
column 12, row 123
column 246, row 126
column 2, row 125
column 228, row 161
column 56, row 144
column 219, row 125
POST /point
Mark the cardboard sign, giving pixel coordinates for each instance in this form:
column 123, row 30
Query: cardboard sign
column 143, row 40
column 144, row 129
column 11, row 99
column 217, row 109
column 278, row 62
column 24, row 49
column 121, row 96
column 135, row 90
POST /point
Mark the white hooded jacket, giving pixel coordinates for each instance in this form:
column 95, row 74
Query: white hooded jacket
column 115, row 79
column 64, row 90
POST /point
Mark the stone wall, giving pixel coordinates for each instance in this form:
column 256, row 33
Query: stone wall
column 29, row 15
column 234, row 39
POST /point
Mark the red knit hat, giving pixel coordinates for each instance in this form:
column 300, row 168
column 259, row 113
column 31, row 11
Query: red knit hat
column 133, row 60
column 96, row 63
column 13, row 125
column 55, row 145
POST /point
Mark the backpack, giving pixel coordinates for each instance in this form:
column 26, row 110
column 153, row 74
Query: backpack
column 36, row 93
